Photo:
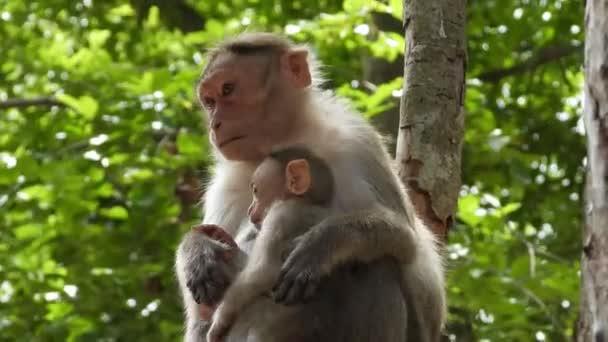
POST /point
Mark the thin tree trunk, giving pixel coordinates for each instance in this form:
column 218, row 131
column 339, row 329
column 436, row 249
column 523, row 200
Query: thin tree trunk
column 432, row 116
column 593, row 322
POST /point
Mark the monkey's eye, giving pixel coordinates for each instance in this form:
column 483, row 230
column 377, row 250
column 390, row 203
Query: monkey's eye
column 208, row 102
column 227, row 89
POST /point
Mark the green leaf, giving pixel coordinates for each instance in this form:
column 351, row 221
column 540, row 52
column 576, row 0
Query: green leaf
column 85, row 105
column 116, row 212
column 39, row 192
column 28, row 231
column 153, row 19
column 124, row 10
column 396, row 8
column 508, row 209
column 58, row 310
column 97, row 38
column 467, row 206
column 190, row 144
column 78, row 327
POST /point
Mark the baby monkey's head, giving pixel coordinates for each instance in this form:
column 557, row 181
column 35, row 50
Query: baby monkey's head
column 294, row 172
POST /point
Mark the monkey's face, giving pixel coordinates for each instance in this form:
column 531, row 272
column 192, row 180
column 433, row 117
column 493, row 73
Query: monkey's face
column 249, row 102
column 267, row 186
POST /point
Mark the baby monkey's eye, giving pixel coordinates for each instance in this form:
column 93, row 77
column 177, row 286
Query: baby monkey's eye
column 227, row 89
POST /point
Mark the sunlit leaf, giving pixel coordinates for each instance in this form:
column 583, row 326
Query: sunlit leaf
column 116, row 212
column 85, row 105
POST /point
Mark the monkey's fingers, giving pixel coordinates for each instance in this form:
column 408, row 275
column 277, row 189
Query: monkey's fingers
column 214, row 293
column 206, row 229
column 291, row 289
column 304, row 288
column 280, row 289
column 215, row 284
column 213, row 335
column 296, row 291
column 216, row 233
column 225, row 238
column 227, row 255
column 310, row 291
column 208, row 282
column 218, row 331
column 197, row 291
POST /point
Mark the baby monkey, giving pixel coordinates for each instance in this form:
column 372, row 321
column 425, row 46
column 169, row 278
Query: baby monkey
column 292, row 191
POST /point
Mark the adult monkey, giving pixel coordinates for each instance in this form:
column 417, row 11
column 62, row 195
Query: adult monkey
column 261, row 93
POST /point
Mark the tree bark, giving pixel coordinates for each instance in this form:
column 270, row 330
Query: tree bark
column 593, row 322
column 431, row 123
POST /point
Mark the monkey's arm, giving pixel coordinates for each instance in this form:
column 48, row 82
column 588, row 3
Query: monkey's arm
column 202, row 274
column 284, row 221
column 360, row 236
column 255, row 279
column 199, row 259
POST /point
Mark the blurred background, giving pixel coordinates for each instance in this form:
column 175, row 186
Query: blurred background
column 103, row 155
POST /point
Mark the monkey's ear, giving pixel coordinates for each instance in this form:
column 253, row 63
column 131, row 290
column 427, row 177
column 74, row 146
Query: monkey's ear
column 295, row 63
column 297, row 174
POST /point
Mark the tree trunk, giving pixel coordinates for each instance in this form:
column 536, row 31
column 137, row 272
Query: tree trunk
column 593, row 322
column 432, row 115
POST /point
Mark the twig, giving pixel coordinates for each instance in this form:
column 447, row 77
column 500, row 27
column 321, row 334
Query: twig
column 22, row 103
column 544, row 56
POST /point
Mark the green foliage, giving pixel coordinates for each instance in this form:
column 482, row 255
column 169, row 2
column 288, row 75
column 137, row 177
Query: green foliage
column 96, row 193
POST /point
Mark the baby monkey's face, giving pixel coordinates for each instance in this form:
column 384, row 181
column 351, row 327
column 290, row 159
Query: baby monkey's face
column 272, row 182
column 267, row 186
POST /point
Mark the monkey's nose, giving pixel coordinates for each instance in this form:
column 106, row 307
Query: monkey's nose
column 216, row 125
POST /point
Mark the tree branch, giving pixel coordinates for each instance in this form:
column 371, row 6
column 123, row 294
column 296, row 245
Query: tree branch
column 22, row 103
column 544, row 56
column 175, row 14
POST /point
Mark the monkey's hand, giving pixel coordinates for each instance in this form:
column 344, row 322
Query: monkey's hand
column 303, row 270
column 217, row 332
column 222, row 321
column 362, row 236
column 209, row 263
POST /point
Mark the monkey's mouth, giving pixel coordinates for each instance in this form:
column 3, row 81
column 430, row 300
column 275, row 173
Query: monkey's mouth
column 231, row 140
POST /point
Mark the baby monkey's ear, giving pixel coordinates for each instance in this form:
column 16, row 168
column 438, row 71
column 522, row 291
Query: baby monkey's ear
column 297, row 174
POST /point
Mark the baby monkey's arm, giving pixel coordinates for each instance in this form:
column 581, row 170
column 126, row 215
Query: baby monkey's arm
column 285, row 220
column 360, row 236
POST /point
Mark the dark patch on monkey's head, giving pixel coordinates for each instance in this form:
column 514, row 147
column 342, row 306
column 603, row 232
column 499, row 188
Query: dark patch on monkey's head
column 249, row 44
column 321, row 190
column 247, row 48
column 253, row 43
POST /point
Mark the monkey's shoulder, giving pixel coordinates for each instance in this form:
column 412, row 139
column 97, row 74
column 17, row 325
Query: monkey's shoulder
column 296, row 210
